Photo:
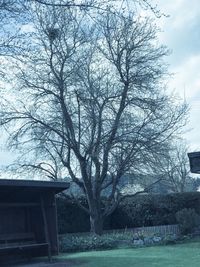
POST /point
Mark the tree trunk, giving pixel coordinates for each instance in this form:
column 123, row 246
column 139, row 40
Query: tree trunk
column 96, row 223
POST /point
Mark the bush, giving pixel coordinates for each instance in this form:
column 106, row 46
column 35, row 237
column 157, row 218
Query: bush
column 188, row 219
column 88, row 242
column 138, row 211
column 72, row 243
column 170, row 239
column 152, row 210
column 71, row 218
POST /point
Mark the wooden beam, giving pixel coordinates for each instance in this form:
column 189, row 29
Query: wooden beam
column 17, row 205
column 46, row 231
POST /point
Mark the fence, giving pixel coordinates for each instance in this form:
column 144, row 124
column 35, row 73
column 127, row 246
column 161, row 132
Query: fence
column 161, row 229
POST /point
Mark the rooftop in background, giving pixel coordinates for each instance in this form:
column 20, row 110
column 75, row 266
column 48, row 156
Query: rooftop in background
column 194, row 158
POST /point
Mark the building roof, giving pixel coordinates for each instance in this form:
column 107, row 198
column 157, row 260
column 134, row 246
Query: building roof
column 28, row 189
column 194, row 154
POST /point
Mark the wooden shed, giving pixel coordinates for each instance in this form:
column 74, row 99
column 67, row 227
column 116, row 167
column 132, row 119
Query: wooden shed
column 28, row 221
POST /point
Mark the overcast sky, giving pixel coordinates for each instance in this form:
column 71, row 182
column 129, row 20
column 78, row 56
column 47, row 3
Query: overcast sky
column 181, row 33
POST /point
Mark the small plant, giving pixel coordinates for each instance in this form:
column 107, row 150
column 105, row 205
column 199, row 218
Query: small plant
column 170, row 239
column 139, row 235
column 188, row 219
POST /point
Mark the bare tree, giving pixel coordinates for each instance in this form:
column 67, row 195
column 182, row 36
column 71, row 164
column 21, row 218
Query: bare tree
column 102, row 5
column 83, row 4
column 173, row 165
column 14, row 14
column 89, row 101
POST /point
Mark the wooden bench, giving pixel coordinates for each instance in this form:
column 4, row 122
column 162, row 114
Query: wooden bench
column 21, row 242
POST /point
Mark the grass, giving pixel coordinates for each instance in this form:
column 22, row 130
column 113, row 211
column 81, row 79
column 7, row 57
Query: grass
column 181, row 255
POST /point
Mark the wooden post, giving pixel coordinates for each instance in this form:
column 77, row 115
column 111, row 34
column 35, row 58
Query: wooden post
column 46, row 231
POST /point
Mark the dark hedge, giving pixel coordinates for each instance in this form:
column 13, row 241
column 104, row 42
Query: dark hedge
column 71, row 218
column 141, row 210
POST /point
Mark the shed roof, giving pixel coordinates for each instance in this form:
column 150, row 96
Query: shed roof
column 15, row 190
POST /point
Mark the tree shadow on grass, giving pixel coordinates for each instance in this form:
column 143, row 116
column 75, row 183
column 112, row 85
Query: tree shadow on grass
column 46, row 263
column 68, row 263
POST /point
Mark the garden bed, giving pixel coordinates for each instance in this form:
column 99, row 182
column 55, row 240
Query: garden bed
column 117, row 239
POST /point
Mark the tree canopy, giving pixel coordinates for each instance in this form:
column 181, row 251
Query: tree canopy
column 89, row 100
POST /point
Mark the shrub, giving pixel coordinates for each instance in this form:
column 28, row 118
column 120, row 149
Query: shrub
column 71, row 218
column 88, row 242
column 138, row 211
column 153, row 209
column 188, row 219
column 92, row 242
column 170, row 239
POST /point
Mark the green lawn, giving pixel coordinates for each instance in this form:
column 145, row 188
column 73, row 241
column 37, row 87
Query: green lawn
column 182, row 255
